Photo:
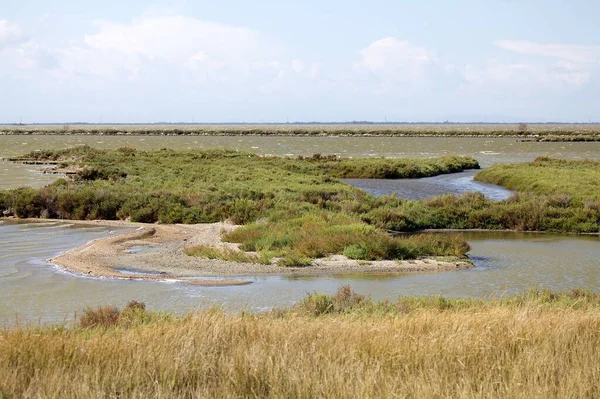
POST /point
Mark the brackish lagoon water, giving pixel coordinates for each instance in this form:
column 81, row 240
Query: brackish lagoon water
column 32, row 290
column 486, row 150
column 418, row 189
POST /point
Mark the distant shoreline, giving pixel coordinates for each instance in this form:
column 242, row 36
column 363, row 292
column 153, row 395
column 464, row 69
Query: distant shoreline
column 527, row 132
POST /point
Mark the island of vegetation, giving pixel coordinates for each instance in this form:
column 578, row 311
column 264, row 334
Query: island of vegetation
column 283, row 214
column 255, row 214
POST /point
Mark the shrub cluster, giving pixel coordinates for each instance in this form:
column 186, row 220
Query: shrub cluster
column 303, row 211
column 297, row 209
column 110, row 316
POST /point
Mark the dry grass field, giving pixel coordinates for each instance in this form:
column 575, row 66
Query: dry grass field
column 537, row 345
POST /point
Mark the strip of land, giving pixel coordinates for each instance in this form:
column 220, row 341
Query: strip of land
column 531, row 132
column 164, row 256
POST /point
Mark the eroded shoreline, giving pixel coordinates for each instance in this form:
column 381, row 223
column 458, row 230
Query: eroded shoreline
column 162, row 256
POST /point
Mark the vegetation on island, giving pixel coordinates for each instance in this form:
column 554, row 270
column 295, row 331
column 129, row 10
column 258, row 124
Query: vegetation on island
column 537, row 344
column 295, row 209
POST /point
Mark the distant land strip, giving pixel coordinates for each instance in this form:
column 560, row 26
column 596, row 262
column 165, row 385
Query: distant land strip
column 525, row 132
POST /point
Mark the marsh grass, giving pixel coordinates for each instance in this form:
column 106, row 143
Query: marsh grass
column 536, row 345
column 295, row 209
column 563, row 182
column 205, row 251
column 321, row 233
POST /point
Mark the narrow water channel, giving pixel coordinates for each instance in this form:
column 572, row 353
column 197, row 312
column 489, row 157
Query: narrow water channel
column 418, row 189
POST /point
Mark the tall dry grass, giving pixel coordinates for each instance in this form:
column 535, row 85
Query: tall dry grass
column 529, row 347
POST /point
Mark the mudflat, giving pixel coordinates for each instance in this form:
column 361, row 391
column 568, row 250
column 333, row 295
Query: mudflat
column 159, row 249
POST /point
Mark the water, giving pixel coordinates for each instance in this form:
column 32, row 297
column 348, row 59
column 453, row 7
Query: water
column 418, row 189
column 32, row 290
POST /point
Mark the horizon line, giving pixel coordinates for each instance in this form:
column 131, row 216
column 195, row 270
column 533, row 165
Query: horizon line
column 79, row 123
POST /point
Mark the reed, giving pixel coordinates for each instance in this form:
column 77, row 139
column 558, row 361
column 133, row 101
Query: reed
column 536, row 345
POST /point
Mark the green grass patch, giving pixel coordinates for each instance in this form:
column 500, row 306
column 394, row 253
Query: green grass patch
column 564, row 182
column 205, row 251
column 292, row 208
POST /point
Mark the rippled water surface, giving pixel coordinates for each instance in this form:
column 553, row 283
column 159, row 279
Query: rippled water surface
column 417, row 189
column 486, row 150
column 32, row 290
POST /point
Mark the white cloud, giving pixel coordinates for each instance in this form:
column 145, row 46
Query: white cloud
column 562, row 67
column 10, row 33
column 185, row 55
column 175, row 38
column 298, row 65
column 395, row 60
column 398, row 67
column 524, row 79
column 569, row 52
column 201, row 51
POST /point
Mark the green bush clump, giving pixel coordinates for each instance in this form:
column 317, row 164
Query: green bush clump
column 297, row 208
column 294, row 260
column 345, row 300
column 356, row 251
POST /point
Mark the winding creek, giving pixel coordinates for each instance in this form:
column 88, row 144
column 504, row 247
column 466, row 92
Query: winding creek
column 32, row 290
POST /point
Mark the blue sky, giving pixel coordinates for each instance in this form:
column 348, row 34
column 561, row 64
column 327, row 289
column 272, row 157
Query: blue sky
column 272, row 61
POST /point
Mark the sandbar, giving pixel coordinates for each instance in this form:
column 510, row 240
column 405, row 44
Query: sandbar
column 159, row 250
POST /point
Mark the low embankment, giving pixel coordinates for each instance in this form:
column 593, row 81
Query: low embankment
column 528, row 132
column 539, row 344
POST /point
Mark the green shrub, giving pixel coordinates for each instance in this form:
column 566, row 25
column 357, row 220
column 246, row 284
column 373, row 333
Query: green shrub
column 294, row 260
column 205, row 251
column 355, row 251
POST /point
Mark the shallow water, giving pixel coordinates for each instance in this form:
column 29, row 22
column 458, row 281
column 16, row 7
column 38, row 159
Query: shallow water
column 32, row 290
column 418, row 189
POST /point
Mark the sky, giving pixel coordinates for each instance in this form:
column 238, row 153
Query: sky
column 276, row 61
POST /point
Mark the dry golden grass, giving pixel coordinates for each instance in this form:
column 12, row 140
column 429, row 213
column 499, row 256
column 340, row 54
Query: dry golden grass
column 525, row 348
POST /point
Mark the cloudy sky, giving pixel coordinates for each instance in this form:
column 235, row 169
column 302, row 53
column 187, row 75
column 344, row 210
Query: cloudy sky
column 277, row 60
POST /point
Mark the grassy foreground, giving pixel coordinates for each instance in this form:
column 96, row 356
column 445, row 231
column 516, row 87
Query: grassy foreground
column 536, row 345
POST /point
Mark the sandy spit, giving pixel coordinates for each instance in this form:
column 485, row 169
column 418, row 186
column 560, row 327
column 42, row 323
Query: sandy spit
column 160, row 249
